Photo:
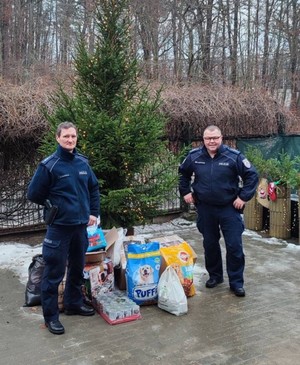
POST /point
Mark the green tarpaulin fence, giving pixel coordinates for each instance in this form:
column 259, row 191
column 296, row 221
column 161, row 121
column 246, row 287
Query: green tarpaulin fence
column 271, row 147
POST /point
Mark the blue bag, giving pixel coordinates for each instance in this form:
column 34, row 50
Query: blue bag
column 96, row 239
column 142, row 271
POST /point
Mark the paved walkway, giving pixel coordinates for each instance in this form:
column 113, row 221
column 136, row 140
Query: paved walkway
column 220, row 329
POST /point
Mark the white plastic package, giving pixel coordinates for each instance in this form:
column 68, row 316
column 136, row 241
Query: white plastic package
column 171, row 296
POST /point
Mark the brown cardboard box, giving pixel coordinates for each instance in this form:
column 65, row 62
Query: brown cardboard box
column 119, row 271
column 99, row 278
column 98, row 256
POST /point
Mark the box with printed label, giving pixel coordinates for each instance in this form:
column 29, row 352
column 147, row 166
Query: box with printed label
column 99, row 278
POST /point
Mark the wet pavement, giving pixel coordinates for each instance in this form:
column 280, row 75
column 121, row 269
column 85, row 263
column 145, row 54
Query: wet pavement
column 219, row 329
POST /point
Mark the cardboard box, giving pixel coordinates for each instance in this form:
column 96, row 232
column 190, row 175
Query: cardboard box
column 136, row 238
column 166, row 241
column 119, row 271
column 96, row 257
column 98, row 278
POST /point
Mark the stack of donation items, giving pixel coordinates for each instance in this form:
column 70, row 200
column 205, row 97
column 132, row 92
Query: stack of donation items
column 130, row 275
column 142, row 283
column 123, row 273
column 112, row 305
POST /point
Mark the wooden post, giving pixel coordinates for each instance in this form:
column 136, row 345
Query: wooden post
column 253, row 215
column 280, row 213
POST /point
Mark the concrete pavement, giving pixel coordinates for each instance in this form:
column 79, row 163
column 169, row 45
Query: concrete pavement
column 220, row 329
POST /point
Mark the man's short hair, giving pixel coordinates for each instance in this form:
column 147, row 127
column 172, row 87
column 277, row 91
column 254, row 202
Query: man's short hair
column 212, row 128
column 65, row 125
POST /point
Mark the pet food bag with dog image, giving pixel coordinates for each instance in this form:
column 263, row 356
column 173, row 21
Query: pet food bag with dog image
column 171, row 296
column 142, row 271
column 181, row 258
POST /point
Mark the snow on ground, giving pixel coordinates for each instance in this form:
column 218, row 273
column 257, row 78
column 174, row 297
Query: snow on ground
column 17, row 256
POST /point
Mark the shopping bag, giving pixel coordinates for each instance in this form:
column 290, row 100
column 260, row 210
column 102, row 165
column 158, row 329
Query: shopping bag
column 171, row 296
column 96, row 238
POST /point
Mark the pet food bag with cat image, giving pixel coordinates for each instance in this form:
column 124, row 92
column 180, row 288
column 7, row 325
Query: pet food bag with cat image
column 180, row 257
column 142, row 271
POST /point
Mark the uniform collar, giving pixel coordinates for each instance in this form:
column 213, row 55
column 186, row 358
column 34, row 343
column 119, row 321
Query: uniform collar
column 65, row 154
column 220, row 150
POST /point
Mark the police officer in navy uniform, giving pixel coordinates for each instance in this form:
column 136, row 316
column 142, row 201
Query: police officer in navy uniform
column 66, row 180
column 219, row 180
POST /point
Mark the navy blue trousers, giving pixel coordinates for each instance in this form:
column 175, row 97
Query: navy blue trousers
column 211, row 220
column 62, row 245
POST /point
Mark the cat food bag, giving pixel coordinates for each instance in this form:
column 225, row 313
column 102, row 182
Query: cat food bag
column 180, row 257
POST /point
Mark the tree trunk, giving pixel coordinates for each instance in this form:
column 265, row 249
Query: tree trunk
column 5, row 19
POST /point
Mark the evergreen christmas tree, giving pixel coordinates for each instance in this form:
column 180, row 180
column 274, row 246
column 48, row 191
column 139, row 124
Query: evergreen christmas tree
column 120, row 127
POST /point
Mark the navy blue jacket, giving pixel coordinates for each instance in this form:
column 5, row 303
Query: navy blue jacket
column 217, row 180
column 67, row 180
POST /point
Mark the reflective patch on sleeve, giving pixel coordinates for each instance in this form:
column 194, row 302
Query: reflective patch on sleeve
column 246, row 163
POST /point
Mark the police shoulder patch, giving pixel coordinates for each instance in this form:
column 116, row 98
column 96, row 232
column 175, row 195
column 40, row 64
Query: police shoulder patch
column 246, row 163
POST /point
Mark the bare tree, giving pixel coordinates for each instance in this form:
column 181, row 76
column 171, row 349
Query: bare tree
column 234, row 59
column 293, row 23
column 5, row 23
column 246, row 43
column 207, row 41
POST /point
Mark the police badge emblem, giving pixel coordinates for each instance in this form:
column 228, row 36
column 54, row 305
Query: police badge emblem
column 246, row 163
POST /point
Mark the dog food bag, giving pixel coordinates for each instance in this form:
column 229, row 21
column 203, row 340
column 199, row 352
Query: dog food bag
column 142, row 272
column 180, row 258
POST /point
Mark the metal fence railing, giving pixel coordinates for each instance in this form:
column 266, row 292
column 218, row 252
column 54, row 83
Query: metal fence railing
column 17, row 214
